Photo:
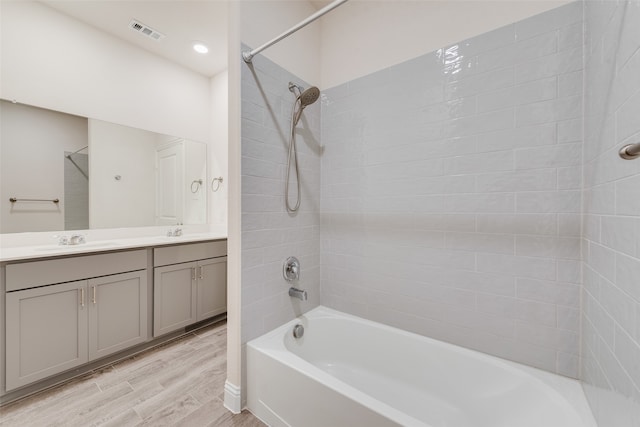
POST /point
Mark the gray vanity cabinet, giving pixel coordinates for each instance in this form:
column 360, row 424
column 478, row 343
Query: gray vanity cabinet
column 62, row 313
column 117, row 312
column 189, row 285
column 212, row 288
column 174, row 297
column 46, row 332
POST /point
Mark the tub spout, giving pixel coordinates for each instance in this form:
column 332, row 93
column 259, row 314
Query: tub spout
column 298, row 293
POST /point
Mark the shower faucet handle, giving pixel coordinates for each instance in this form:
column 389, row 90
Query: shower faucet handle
column 291, row 269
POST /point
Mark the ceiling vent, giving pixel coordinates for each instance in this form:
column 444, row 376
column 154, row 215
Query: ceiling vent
column 145, row 30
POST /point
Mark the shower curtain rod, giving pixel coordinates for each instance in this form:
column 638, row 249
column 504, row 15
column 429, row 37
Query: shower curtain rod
column 71, row 154
column 248, row 55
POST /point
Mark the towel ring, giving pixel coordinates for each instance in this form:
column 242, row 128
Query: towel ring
column 217, row 182
column 198, row 183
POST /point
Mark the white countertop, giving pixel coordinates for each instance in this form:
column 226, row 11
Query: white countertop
column 18, row 253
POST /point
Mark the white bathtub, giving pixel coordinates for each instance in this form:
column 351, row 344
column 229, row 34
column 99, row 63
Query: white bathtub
column 347, row 371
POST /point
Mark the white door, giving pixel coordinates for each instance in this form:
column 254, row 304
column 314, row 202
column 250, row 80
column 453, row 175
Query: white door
column 170, row 177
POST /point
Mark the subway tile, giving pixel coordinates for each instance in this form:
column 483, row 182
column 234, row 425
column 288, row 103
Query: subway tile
column 627, row 121
column 569, row 270
column 569, row 225
column 481, row 321
column 562, row 340
column 539, row 268
column 627, row 274
column 560, row 17
column 478, row 163
column 620, row 233
column 570, row 36
column 493, row 243
column 528, row 180
column 484, row 82
column 570, row 130
column 548, row 247
column 629, row 37
column 480, row 203
column 486, row 122
column 618, row 305
column 556, row 64
column 540, row 224
column 627, row 201
column 489, row 283
column 549, row 111
column 568, row 318
column 568, row 365
column 548, row 202
column 539, row 90
column 562, row 155
column 522, row 137
column 552, row 292
column 602, row 260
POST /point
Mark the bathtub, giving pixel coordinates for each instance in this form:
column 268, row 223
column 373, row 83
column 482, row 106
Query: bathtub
column 347, row 371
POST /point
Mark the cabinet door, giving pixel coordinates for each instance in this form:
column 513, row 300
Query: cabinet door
column 117, row 312
column 174, row 297
column 46, row 332
column 212, row 287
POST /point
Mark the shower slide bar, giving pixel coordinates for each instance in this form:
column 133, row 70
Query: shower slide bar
column 248, row 55
column 15, row 199
column 630, row 151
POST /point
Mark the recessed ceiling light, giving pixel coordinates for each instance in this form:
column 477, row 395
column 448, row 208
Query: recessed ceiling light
column 200, row 48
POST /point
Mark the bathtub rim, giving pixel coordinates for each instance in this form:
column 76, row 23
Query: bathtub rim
column 273, row 343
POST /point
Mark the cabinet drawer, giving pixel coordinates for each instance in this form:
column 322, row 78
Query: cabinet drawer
column 188, row 252
column 39, row 273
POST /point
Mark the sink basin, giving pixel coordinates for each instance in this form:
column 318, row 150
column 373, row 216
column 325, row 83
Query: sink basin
column 61, row 248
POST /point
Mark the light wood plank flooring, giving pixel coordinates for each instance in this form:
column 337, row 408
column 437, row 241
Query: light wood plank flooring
column 178, row 384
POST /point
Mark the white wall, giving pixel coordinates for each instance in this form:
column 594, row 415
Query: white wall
column 219, row 148
column 361, row 37
column 261, row 21
column 32, row 163
column 54, row 61
column 131, row 154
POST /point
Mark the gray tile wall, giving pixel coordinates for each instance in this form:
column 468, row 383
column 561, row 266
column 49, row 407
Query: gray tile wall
column 611, row 225
column 269, row 233
column 451, row 189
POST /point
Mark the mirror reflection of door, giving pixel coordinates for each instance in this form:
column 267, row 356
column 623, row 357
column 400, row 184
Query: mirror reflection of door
column 169, row 184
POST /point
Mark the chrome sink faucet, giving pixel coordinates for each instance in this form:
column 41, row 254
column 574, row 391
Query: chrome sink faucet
column 176, row 232
column 74, row 239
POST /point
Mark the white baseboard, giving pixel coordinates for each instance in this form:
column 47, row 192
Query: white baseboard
column 232, row 397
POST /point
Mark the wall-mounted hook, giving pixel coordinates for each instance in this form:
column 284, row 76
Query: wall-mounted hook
column 198, row 184
column 217, row 182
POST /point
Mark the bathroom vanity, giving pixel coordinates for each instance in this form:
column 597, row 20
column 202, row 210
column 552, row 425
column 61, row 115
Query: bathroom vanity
column 69, row 310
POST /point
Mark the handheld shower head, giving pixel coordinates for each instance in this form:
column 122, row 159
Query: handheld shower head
column 309, row 96
column 306, row 97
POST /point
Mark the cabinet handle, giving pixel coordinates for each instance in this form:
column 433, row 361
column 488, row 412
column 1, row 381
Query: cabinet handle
column 201, row 272
column 193, row 273
column 81, row 297
column 94, row 295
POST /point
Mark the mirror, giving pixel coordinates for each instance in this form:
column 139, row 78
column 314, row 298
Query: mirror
column 66, row 172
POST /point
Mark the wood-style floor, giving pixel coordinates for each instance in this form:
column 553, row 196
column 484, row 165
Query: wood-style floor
column 178, row 384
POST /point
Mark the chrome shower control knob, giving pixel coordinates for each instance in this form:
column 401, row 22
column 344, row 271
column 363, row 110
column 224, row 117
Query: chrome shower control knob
column 291, row 269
